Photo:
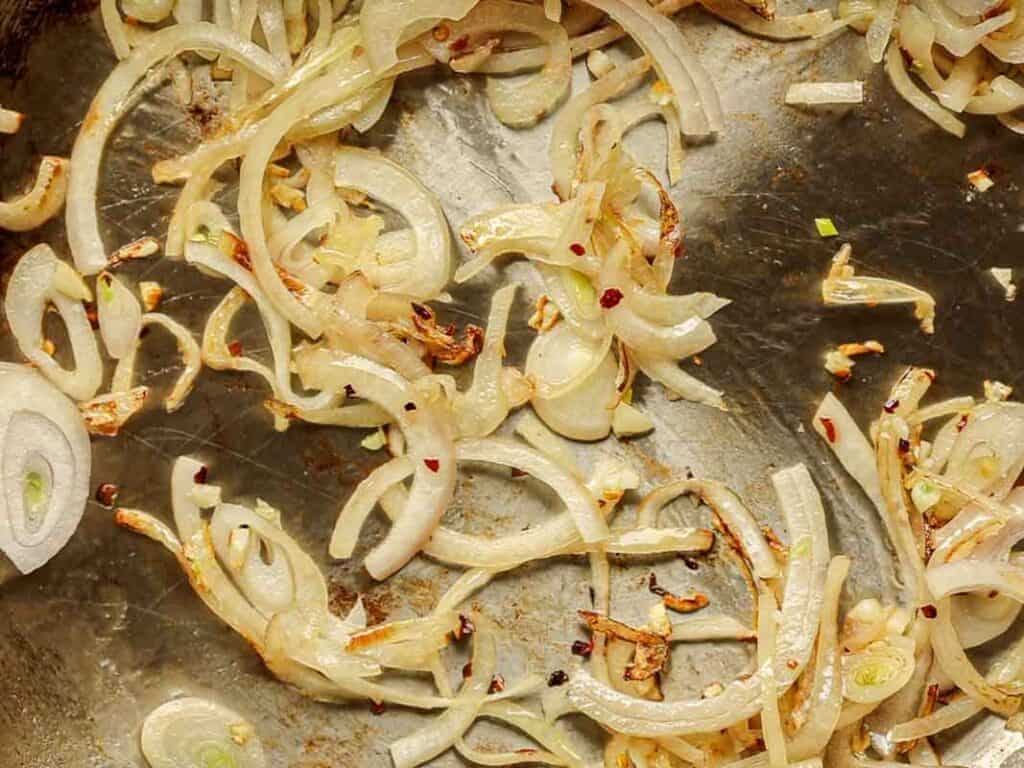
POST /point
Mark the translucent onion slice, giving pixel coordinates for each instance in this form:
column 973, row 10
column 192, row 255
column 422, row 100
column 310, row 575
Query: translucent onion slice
column 120, row 315
column 386, row 24
column 361, row 503
column 836, row 426
column 259, row 567
column 559, row 361
column 896, row 69
column 971, row 575
column 733, row 514
column 40, row 278
column 980, row 618
column 678, row 382
column 809, row 557
column 197, row 733
column 878, row 671
column 585, row 412
column 483, row 407
column 661, row 39
column 191, row 359
column 429, row 444
column 148, row 11
column 988, row 453
column 107, row 414
column 844, row 287
column 771, row 722
column 391, row 184
column 850, row 92
column 704, row 628
column 424, row 744
column 960, row 39
column 42, row 202
column 949, row 716
column 569, row 121
column 45, row 460
column 520, row 103
column 107, row 108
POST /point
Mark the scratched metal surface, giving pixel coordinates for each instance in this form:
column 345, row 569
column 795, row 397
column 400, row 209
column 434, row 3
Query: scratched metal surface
column 109, row 629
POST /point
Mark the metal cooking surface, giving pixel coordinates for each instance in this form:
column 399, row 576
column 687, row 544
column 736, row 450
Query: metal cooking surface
column 110, row 628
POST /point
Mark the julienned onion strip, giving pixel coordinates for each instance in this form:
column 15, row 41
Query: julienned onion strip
column 386, row 24
column 771, row 722
column 107, row 109
column 42, row 202
column 10, row 121
column 734, row 516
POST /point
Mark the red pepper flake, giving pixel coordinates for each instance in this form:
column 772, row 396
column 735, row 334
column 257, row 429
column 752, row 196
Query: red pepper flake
column 578, row 249
column 929, row 611
column 792, row 663
column 92, row 314
column 350, row 391
column 410, row 406
column 422, row 312
column 497, row 684
column 106, row 494
column 993, row 594
column 144, row 332
column 467, row 670
column 692, row 564
column 904, row 445
column 459, row 44
column 557, row 678
column 929, row 374
column 200, row 475
column 962, row 423
column 830, row 429
column 652, row 586
column 891, row 406
column 432, row 464
column 377, row 707
column 235, row 348
column 466, row 627
column 582, row 648
column 516, row 472
column 611, row 298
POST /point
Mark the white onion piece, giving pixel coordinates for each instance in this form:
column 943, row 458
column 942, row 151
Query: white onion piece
column 115, row 28
column 560, row 361
column 33, row 284
column 149, row 11
column 844, row 287
column 361, row 503
column 960, row 39
column 704, row 628
column 805, row 571
column 107, row 108
column 429, row 447
column 391, row 184
column 386, row 24
column 797, row 27
column 993, row 431
column 582, row 508
column 692, row 90
column 520, row 103
column 622, row 712
column 585, row 411
column 45, row 463
column 964, row 78
column 278, row 331
column 919, row 100
column 533, row 431
column 191, row 359
column 568, row 122
column 537, row 728
column 654, row 541
column 680, row 384
column 10, row 121
column 980, row 618
column 836, row 426
column 954, row 713
column 970, row 575
column 880, row 30
column 42, row 202
column 484, row 406
column 196, row 733
column 1001, row 95
column 734, row 515
column 771, row 722
column 851, row 92
column 120, row 315
column 877, row 672
column 260, row 568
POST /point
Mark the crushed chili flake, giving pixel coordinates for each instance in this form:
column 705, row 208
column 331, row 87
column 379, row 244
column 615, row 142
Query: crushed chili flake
column 692, row 564
column 467, row 670
column 929, row 611
column 432, row 464
column 516, row 472
column 497, row 684
column 830, row 429
column 106, row 494
column 422, row 311
column 582, row 648
column 994, row 593
column 410, row 406
column 891, row 406
column 459, row 44
column 792, row 663
column 377, row 707
column 557, row 678
column 466, row 627
column 578, row 249
column 350, row 390
column 611, row 298
column 92, row 315
column 200, row 475
column 962, row 423
column 235, row 348
column 652, row 585
column 904, row 445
